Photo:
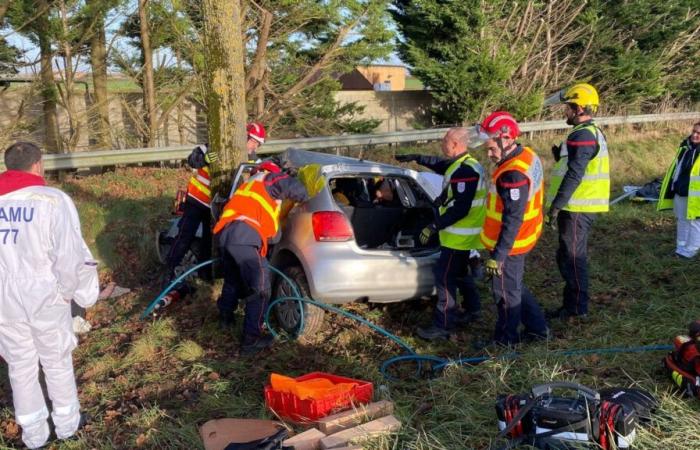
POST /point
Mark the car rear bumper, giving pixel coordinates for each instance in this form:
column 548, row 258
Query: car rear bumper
column 340, row 272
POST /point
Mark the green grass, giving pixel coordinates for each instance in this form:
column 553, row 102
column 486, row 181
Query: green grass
column 151, row 384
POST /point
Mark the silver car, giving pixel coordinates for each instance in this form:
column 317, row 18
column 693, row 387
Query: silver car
column 355, row 239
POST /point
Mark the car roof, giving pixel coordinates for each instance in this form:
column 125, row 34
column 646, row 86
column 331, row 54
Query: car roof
column 298, row 158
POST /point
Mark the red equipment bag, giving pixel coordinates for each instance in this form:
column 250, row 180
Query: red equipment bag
column 683, row 363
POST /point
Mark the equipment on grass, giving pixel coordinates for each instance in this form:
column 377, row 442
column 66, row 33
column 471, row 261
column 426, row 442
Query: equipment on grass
column 590, row 419
column 243, row 434
column 683, row 362
column 170, row 297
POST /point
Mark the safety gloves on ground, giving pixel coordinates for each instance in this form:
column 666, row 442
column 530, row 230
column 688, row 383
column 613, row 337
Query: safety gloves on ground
column 551, row 219
column 211, row 157
column 426, row 234
column 493, row 268
column 406, row 158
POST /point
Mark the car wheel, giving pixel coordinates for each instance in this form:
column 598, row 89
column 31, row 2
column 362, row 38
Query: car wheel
column 287, row 312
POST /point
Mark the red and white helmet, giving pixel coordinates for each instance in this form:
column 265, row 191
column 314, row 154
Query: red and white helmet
column 500, row 124
column 269, row 166
column 256, row 131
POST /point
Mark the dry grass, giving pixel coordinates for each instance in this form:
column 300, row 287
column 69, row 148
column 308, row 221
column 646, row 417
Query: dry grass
column 151, row 384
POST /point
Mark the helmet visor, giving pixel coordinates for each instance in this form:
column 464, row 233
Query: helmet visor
column 555, row 99
column 477, row 136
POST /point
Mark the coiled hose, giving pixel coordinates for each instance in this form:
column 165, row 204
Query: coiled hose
column 435, row 363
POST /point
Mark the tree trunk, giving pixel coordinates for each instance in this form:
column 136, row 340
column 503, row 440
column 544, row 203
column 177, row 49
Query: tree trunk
column 225, row 88
column 98, row 61
column 48, row 84
column 149, row 96
column 67, row 94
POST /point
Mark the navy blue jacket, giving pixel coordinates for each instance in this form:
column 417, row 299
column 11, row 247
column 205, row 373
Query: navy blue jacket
column 513, row 187
column 582, row 146
column 280, row 186
column 464, row 183
column 686, row 159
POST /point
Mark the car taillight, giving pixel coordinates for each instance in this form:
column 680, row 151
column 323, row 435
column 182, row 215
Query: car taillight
column 331, row 226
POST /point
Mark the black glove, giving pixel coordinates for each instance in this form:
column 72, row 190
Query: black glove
column 551, row 218
column 556, row 152
column 406, row 158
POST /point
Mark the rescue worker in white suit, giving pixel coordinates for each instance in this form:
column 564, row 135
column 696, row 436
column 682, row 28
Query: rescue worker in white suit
column 44, row 263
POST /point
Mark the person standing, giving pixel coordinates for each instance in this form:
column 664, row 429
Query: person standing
column 44, row 264
column 512, row 227
column 680, row 190
column 197, row 207
column 579, row 191
column 248, row 220
column 461, row 213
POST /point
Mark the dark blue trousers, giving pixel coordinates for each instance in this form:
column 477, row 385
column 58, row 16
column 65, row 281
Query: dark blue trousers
column 246, row 277
column 452, row 272
column 572, row 258
column 194, row 215
column 515, row 304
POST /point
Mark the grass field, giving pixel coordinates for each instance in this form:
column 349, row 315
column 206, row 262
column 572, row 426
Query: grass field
column 151, row 384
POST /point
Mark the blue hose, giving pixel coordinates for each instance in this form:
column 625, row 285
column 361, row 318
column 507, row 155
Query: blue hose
column 437, row 363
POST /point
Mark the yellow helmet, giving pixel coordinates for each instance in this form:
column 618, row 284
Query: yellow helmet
column 581, row 94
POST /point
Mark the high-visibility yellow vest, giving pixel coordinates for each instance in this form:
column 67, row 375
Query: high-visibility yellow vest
column 693, row 188
column 593, row 194
column 464, row 234
column 529, row 164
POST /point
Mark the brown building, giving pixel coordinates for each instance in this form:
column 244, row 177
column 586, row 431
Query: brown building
column 375, row 78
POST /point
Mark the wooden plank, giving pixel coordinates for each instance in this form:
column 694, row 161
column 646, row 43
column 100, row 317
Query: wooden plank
column 308, row 440
column 362, row 432
column 348, row 419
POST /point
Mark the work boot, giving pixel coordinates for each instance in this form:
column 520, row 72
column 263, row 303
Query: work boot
column 256, row 346
column 226, row 320
column 433, row 333
column 563, row 314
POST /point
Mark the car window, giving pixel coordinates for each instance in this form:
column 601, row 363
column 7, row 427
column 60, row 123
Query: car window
column 242, row 175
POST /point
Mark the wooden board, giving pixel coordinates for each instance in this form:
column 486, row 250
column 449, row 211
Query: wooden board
column 361, row 432
column 348, row 419
column 308, row 440
column 217, row 434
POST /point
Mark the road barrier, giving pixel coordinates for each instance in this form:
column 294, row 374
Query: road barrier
column 85, row 160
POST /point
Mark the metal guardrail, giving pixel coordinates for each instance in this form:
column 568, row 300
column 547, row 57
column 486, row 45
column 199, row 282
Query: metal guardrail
column 83, row 160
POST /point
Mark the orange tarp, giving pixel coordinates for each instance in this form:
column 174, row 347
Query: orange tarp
column 315, row 388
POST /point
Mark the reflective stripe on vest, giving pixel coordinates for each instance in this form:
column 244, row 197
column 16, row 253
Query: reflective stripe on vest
column 593, row 194
column 464, row 234
column 252, row 204
column 199, row 186
column 529, row 164
column 693, row 211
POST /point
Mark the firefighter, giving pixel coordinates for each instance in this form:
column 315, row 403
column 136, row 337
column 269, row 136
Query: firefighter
column 197, row 207
column 578, row 192
column 681, row 191
column 461, row 213
column 44, row 264
column 512, row 227
column 249, row 219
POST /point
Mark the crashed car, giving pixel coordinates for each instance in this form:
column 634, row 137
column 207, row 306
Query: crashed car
column 355, row 239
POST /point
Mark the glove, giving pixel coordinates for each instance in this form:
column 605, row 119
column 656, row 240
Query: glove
column 211, row 157
column 426, row 234
column 406, row 158
column 556, row 152
column 551, row 218
column 493, row 268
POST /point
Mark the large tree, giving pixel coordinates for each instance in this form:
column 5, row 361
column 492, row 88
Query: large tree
column 32, row 19
column 225, row 88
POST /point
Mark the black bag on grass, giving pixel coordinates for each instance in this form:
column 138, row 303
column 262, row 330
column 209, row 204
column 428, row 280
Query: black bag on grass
column 587, row 419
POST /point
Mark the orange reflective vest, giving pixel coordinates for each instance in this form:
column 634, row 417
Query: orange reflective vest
column 199, row 187
column 529, row 164
column 252, row 204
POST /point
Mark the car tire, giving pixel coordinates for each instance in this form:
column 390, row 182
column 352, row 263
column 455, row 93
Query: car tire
column 287, row 313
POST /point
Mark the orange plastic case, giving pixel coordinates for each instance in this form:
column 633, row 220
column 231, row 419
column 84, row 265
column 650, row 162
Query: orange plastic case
column 290, row 406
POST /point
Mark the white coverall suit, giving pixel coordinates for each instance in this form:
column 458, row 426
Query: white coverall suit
column 44, row 263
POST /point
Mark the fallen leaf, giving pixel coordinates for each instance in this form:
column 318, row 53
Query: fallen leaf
column 141, row 440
